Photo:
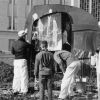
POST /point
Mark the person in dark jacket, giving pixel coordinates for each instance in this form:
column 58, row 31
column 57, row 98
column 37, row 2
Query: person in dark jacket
column 20, row 49
column 44, row 68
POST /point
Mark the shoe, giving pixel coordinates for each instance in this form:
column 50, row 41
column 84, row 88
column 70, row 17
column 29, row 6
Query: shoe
column 15, row 93
column 23, row 93
column 62, row 99
column 71, row 97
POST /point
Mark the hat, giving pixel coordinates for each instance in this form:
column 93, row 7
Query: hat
column 21, row 33
column 35, row 16
column 50, row 11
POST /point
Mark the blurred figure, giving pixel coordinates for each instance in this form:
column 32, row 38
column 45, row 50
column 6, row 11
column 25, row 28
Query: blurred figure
column 70, row 65
column 44, row 66
column 35, row 41
column 20, row 49
column 95, row 61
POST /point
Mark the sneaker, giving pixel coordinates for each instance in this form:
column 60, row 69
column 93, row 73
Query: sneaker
column 23, row 93
column 63, row 99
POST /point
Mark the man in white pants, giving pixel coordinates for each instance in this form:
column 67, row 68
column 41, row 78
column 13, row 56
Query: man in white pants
column 20, row 49
column 73, row 65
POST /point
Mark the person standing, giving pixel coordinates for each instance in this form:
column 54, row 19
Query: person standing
column 70, row 65
column 95, row 61
column 44, row 65
column 20, row 49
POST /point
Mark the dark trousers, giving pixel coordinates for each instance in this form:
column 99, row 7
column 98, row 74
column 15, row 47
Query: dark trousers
column 45, row 82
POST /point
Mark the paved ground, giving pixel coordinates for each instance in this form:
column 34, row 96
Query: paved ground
column 6, row 94
column 35, row 96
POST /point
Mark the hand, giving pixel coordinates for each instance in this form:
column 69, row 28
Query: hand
column 26, row 30
column 36, row 80
column 63, row 73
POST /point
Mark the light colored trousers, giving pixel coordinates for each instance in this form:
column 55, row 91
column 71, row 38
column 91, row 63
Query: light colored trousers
column 95, row 60
column 20, row 80
column 98, row 77
column 69, row 78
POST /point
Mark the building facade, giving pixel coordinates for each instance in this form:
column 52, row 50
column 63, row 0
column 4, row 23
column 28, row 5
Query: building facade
column 91, row 6
column 13, row 13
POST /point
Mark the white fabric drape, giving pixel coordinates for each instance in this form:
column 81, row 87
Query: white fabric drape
column 98, row 74
column 95, row 61
column 20, row 80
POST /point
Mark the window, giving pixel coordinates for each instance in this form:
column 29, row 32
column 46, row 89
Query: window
column 10, row 23
column 9, row 27
column 10, row 1
column 11, row 41
column 28, row 2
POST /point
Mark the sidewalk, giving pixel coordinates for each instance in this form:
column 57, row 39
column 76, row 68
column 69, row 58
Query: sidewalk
column 6, row 94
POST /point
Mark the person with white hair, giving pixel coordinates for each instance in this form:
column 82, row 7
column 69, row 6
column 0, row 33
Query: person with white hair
column 20, row 49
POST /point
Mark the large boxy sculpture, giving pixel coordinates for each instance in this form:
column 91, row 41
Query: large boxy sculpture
column 62, row 23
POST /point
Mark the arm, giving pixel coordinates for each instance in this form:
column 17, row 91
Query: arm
column 12, row 50
column 28, row 50
column 93, row 61
column 59, row 60
column 36, row 68
column 57, row 57
column 62, row 67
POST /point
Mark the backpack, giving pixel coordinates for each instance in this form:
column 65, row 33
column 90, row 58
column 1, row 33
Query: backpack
column 45, row 71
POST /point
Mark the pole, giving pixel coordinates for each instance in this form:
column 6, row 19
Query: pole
column 90, row 6
column 44, row 2
column 78, row 4
column 12, row 15
column 30, row 7
column 48, row 1
column 72, row 2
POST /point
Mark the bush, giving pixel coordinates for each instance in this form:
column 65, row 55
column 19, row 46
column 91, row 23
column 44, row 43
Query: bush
column 6, row 72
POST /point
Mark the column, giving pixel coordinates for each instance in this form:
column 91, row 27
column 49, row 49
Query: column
column 30, row 7
column 90, row 6
column 47, row 1
column 12, row 15
column 78, row 5
column 72, row 2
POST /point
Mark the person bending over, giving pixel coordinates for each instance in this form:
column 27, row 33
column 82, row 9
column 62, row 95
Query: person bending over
column 70, row 65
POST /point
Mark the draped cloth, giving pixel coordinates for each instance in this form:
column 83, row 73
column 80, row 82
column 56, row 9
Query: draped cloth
column 98, row 74
column 20, row 80
column 95, row 61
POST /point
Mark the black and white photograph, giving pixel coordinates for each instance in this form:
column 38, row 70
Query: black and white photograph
column 49, row 49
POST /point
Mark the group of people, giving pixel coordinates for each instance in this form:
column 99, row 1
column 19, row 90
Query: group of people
column 44, row 67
